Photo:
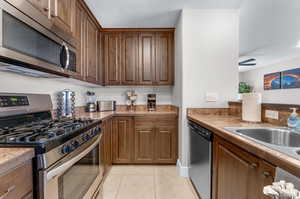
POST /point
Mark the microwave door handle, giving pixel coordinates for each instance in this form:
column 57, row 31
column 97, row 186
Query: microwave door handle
column 65, row 56
column 61, row 168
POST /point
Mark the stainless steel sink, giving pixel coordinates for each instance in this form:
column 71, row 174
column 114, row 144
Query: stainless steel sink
column 280, row 137
column 284, row 140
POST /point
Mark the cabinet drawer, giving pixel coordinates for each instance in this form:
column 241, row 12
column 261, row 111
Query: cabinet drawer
column 18, row 183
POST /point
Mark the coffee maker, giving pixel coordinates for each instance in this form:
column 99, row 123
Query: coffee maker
column 91, row 102
column 151, row 102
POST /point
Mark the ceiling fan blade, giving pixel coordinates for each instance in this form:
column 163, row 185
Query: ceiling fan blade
column 248, row 62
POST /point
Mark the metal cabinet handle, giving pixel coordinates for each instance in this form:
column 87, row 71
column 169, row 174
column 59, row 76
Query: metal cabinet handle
column 253, row 166
column 266, row 174
column 10, row 189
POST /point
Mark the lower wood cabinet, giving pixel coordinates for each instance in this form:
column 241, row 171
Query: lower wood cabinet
column 239, row 174
column 17, row 184
column 123, row 140
column 145, row 140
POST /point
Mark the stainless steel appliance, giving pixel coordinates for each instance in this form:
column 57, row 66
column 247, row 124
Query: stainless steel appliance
column 91, row 105
column 106, row 106
column 67, row 150
column 201, row 159
column 66, row 103
column 151, row 102
column 25, row 43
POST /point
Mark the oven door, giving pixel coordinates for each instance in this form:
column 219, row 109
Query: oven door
column 75, row 177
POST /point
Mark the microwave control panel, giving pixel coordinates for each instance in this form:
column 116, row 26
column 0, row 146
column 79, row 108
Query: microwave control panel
column 11, row 101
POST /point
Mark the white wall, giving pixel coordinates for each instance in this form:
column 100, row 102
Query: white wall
column 14, row 83
column 210, row 40
column 283, row 96
column 163, row 94
column 177, row 89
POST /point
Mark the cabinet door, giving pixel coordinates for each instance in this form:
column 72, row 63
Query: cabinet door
column 108, row 140
column 147, row 58
column 266, row 176
column 112, row 58
column 129, row 58
column 123, row 140
column 240, row 168
column 61, row 13
column 164, row 58
column 144, row 144
column 92, row 36
column 166, row 143
column 78, row 29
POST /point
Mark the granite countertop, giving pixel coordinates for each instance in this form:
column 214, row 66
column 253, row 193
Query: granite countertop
column 107, row 115
column 11, row 158
column 217, row 123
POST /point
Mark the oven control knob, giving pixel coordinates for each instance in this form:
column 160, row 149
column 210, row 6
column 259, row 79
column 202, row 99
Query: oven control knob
column 75, row 144
column 66, row 149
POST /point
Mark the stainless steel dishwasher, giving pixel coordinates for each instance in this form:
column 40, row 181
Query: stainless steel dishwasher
column 201, row 159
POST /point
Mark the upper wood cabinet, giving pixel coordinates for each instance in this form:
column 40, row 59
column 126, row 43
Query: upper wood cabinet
column 87, row 34
column 246, row 173
column 61, row 13
column 138, row 58
column 111, row 58
column 147, row 58
column 129, row 58
column 92, row 47
column 78, row 29
column 164, row 58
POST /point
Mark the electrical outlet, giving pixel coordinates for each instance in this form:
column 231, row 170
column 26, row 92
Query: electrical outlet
column 212, row 97
column 272, row 114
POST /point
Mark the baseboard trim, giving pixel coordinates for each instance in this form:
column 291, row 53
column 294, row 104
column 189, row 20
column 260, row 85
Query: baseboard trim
column 183, row 171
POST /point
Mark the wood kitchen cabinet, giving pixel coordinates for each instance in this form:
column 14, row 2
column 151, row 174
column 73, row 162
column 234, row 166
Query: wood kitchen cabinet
column 107, row 142
column 145, row 140
column 111, row 57
column 79, row 27
column 123, row 140
column 18, row 184
column 62, row 13
column 92, row 58
column 86, row 31
column 138, row 57
column 166, row 142
column 146, row 58
column 238, row 174
column 164, row 58
column 129, row 58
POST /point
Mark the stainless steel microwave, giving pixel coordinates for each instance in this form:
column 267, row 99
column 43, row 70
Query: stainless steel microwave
column 25, row 43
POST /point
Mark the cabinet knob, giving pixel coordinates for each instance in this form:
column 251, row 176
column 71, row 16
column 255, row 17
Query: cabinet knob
column 253, row 166
column 266, row 174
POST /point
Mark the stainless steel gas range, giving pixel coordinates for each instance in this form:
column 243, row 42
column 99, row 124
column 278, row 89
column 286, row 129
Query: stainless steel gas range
column 67, row 163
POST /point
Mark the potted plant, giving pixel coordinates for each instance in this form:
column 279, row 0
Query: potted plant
column 244, row 88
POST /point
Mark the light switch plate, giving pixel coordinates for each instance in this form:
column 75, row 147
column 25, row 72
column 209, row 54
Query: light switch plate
column 272, row 114
column 212, row 97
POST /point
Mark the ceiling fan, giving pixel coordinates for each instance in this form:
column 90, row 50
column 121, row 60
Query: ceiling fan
column 248, row 62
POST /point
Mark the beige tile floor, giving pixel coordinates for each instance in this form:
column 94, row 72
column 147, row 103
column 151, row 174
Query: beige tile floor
column 146, row 182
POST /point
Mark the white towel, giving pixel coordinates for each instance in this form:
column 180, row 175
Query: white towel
column 282, row 190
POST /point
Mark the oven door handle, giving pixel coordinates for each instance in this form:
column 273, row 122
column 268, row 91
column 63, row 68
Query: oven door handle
column 61, row 168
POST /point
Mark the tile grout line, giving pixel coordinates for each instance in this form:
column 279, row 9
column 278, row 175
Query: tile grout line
column 118, row 187
column 155, row 185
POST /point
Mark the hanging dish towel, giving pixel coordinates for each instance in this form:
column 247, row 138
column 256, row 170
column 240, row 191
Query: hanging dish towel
column 282, row 190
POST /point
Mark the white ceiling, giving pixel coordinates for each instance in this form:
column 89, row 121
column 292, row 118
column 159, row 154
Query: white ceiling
column 149, row 13
column 269, row 29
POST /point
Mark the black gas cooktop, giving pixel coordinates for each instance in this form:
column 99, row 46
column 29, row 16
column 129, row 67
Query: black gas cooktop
column 44, row 134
